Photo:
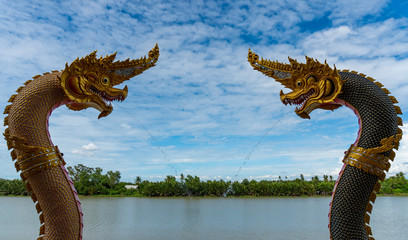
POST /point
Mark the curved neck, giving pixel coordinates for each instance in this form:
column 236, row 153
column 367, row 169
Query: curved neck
column 372, row 106
column 28, row 117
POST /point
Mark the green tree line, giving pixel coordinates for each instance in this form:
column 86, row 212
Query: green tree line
column 193, row 186
column 91, row 181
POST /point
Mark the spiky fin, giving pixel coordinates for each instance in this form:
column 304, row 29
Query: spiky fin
column 12, row 98
column 6, row 121
column 19, row 89
column 27, row 82
column 398, row 110
column 399, row 121
column 393, row 99
column 13, row 155
column 7, row 109
column 379, row 84
column 386, row 91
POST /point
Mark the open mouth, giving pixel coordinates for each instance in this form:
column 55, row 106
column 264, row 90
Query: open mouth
column 106, row 97
column 299, row 101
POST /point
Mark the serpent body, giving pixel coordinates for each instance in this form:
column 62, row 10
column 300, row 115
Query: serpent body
column 87, row 82
column 315, row 85
column 51, row 188
column 354, row 193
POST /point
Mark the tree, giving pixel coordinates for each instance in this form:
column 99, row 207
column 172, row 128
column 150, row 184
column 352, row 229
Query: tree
column 325, row 188
column 245, row 182
column 114, row 178
column 138, row 180
column 91, row 181
column 79, row 172
column 193, row 186
column 13, row 187
column 400, row 175
column 170, row 178
column 182, row 177
column 395, row 184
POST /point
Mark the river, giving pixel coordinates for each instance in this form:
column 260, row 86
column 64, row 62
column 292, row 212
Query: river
column 204, row 218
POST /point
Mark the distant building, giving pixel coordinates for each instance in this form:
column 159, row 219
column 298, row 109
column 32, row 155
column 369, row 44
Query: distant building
column 131, row 186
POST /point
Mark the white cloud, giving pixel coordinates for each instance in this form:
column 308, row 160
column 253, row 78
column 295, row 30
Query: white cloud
column 87, row 150
column 90, row 147
column 379, row 39
column 126, row 126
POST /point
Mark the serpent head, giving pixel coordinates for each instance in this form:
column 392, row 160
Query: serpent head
column 90, row 81
column 314, row 85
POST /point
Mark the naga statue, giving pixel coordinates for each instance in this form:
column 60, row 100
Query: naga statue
column 316, row 85
column 86, row 82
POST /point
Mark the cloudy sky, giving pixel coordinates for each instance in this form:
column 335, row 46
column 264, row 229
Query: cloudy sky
column 203, row 110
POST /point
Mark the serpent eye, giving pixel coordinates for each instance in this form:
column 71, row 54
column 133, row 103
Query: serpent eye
column 299, row 83
column 105, row 81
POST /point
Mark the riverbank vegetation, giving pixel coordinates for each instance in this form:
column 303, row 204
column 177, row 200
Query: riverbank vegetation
column 92, row 182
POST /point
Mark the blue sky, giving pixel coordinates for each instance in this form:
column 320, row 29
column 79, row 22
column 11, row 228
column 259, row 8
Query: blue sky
column 203, row 110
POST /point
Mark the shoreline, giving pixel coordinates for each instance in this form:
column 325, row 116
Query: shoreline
column 176, row 197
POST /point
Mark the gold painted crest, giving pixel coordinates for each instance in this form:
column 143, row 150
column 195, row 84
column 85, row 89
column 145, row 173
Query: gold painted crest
column 313, row 84
column 89, row 81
